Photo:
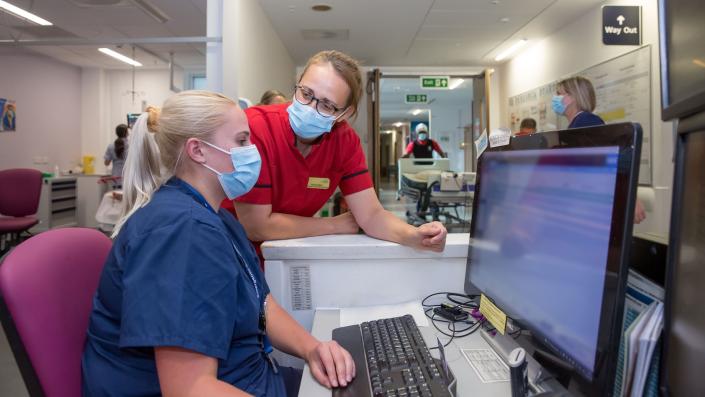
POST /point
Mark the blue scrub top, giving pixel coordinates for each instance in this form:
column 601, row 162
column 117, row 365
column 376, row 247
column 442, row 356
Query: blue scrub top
column 586, row 119
column 174, row 277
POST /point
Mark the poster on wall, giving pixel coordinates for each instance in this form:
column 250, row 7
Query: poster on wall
column 8, row 114
column 623, row 91
column 535, row 104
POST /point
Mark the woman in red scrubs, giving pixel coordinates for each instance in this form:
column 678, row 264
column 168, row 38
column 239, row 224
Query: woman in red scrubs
column 308, row 150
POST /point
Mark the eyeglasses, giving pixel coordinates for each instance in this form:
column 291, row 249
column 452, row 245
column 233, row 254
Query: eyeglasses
column 324, row 107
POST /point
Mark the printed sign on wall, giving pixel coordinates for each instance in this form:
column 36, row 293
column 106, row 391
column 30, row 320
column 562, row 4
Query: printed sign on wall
column 621, row 25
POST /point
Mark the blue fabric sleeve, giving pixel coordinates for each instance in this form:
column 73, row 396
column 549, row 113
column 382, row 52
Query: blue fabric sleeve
column 109, row 153
column 180, row 285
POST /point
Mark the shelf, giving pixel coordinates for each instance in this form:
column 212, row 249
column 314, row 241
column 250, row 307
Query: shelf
column 55, row 199
column 63, row 210
column 67, row 187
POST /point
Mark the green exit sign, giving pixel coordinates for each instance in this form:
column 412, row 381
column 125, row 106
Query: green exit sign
column 416, row 98
column 435, row 82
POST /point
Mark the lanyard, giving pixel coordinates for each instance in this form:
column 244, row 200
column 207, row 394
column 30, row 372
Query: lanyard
column 262, row 320
column 247, row 269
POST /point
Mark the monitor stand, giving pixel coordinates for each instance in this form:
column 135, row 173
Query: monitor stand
column 541, row 382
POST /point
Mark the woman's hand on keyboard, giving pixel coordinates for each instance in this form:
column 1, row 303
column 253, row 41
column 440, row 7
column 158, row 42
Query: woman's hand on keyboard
column 330, row 364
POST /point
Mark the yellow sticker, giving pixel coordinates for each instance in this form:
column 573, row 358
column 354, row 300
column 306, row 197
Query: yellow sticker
column 492, row 313
column 318, row 183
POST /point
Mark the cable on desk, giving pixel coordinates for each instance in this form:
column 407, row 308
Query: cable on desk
column 452, row 331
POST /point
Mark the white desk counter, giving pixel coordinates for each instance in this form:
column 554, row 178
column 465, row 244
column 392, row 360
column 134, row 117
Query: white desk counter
column 357, row 270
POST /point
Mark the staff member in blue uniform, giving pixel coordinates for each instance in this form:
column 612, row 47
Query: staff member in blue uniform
column 182, row 308
column 575, row 99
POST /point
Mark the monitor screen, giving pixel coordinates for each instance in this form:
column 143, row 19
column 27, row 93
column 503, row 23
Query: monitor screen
column 685, row 317
column 541, row 241
column 682, row 56
column 132, row 119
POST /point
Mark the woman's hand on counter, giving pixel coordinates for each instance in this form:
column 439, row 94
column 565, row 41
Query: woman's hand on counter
column 431, row 236
column 345, row 224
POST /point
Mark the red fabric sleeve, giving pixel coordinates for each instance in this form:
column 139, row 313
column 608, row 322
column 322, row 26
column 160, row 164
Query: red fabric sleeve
column 436, row 147
column 409, row 148
column 261, row 193
column 356, row 176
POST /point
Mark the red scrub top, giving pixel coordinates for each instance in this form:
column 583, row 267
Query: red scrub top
column 298, row 185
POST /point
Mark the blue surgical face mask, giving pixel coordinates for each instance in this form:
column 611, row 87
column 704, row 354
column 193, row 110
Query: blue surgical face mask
column 557, row 104
column 423, row 136
column 306, row 122
column 247, row 163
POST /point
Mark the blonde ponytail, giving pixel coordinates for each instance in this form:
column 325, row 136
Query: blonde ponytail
column 157, row 141
column 142, row 173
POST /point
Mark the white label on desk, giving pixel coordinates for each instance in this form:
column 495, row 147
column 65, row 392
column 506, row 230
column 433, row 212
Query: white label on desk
column 487, row 365
column 500, row 137
column 300, row 281
column 481, row 143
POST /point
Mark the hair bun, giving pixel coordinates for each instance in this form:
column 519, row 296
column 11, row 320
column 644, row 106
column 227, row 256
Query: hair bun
column 153, row 120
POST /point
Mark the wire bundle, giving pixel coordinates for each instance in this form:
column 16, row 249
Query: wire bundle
column 467, row 326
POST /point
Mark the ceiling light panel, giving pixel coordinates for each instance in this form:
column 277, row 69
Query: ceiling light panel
column 23, row 14
column 119, row 57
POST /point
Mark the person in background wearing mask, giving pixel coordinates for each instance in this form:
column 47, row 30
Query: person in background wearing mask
column 272, row 97
column 527, row 127
column 182, row 307
column 423, row 147
column 309, row 150
column 575, row 99
column 116, row 152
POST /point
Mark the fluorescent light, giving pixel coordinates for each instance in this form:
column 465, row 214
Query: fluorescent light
column 509, row 51
column 398, row 124
column 20, row 13
column 455, row 83
column 119, row 57
column 416, row 112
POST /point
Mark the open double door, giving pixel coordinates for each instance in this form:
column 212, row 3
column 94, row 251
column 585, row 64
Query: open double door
column 477, row 121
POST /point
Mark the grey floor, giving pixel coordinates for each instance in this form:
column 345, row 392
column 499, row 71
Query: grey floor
column 11, row 384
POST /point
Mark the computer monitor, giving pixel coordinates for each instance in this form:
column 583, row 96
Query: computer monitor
column 684, row 327
column 681, row 32
column 550, row 236
column 132, row 119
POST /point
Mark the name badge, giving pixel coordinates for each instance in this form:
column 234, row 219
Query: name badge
column 318, row 183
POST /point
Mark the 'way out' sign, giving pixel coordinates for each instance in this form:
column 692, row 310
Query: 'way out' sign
column 621, row 25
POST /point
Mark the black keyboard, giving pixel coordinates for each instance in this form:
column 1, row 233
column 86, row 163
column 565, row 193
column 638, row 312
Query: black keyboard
column 391, row 360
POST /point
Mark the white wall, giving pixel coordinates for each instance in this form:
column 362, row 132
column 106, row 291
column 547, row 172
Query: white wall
column 576, row 47
column 48, row 98
column 107, row 99
column 94, row 115
column 254, row 57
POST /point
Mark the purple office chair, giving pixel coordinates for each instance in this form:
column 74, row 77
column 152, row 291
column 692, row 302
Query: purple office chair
column 19, row 199
column 47, row 285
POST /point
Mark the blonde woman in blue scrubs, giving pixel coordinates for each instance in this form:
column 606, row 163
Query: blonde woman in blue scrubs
column 182, row 308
